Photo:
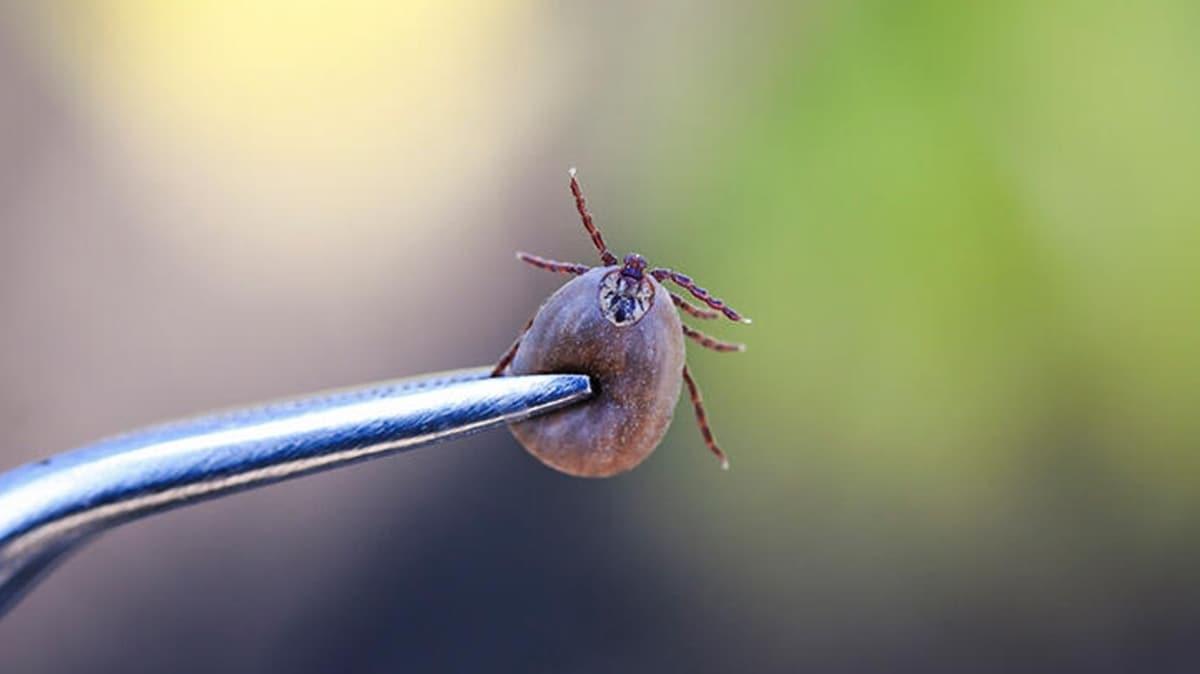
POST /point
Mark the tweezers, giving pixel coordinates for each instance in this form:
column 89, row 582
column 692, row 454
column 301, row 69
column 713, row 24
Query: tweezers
column 50, row 507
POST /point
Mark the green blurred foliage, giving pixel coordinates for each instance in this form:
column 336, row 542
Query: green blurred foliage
column 967, row 233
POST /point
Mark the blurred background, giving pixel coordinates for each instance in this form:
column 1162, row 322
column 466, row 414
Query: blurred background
column 963, row 437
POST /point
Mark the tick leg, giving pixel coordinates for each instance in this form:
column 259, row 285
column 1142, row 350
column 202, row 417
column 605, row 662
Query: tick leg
column 605, row 255
column 552, row 265
column 689, row 308
column 684, row 281
column 702, row 418
column 710, row 343
column 508, row 356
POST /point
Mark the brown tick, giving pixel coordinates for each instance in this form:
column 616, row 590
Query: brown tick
column 618, row 324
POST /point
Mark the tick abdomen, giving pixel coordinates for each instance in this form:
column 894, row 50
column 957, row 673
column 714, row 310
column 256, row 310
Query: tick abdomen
column 635, row 370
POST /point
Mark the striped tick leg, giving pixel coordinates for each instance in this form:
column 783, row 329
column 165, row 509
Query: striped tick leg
column 702, row 418
column 552, row 265
column 711, row 343
column 689, row 308
column 508, row 356
column 606, row 256
column 684, row 281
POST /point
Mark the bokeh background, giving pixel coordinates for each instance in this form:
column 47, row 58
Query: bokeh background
column 964, row 437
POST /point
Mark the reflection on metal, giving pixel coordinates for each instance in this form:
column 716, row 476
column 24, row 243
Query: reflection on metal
column 49, row 507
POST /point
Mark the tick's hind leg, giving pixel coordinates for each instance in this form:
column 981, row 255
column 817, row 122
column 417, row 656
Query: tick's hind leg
column 552, row 265
column 710, row 342
column 508, row 356
column 702, row 418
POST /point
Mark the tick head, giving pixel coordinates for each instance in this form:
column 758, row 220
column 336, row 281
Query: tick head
column 634, row 266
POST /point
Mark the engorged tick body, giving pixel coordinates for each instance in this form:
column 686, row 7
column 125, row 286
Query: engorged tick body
column 618, row 324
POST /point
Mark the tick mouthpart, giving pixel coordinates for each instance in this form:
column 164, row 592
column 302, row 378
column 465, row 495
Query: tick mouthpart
column 634, row 266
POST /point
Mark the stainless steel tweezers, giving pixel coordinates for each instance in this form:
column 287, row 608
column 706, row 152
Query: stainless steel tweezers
column 50, row 507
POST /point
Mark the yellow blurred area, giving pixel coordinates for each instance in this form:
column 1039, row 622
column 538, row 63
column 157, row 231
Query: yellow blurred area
column 968, row 236
column 297, row 114
column 294, row 81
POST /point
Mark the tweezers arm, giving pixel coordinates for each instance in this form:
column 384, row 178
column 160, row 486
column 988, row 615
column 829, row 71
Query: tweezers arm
column 48, row 507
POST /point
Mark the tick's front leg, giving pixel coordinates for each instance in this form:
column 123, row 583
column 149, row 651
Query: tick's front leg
column 684, row 281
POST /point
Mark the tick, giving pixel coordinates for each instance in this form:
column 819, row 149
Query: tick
column 620, row 325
